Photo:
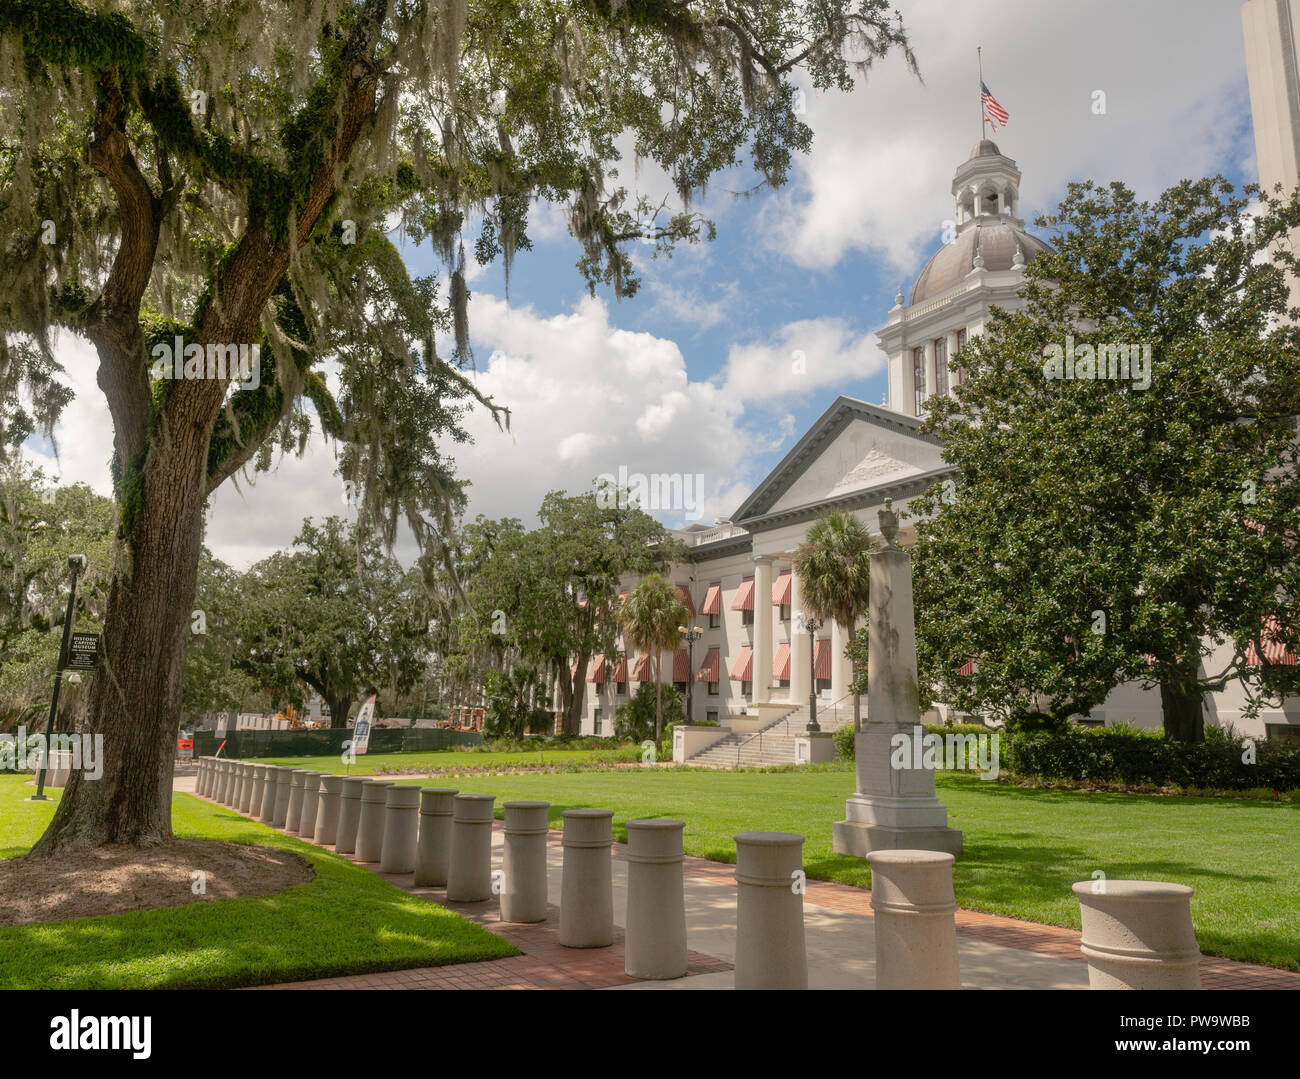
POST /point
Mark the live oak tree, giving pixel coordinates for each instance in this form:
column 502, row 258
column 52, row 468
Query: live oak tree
column 550, row 594
column 1119, row 525
column 335, row 613
column 223, row 173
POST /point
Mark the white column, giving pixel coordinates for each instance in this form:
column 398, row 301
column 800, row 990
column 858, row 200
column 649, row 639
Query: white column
column 930, row 382
column 762, row 628
column 798, row 644
column 953, row 363
column 840, row 676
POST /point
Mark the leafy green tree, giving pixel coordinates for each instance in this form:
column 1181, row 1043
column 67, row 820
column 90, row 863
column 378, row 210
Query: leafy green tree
column 649, row 711
column 41, row 524
column 552, row 593
column 225, row 175
column 212, row 682
column 516, row 702
column 334, row 613
column 834, row 568
column 651, row 618
column 1112, row 529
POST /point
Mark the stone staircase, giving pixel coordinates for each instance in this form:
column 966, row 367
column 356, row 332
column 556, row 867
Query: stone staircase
column 775, row 743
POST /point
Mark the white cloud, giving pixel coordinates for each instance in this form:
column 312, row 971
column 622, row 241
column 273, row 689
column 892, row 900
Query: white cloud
column 801, row 357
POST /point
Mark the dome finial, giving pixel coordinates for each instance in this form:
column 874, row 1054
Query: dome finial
column 1019, row 261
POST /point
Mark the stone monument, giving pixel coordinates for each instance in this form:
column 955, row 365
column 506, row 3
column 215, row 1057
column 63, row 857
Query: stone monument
column 894, row 807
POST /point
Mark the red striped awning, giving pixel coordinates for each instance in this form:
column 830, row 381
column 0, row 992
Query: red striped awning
column 620, row 672
column 641, row 668
column 684, row 594
column 712, row 600
column 781, row 663
column 681, row 666
column 967, row 668
column 781, row 588
column 711, row 668
column 743, row 669
column 744, row 600
column 822, row 660
column 1276, row 652
column 597, row 672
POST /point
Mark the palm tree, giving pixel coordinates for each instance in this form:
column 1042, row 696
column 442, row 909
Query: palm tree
column 834, row 569
column 650, row 618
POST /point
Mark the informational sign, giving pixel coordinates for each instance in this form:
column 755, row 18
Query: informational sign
column 83, row 652
column 185, row 748
column 361, row 731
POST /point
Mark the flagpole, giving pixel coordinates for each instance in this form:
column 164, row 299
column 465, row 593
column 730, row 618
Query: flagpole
column 979, row 57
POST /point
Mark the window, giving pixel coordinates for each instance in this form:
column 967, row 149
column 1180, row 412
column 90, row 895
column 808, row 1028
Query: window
column 681, row 688
column 713, row 689
column 746, row 618
column 1286, row 733
column 715, row 620
column 596, row 722
column 785, row 612
column 711, row 716
column 941, row 366
column 746, row 688
column 620, row 689
column 918, row 379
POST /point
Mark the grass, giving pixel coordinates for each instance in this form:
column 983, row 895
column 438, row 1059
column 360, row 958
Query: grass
column 1023, row 847
column 455, row 759
column 346, row 920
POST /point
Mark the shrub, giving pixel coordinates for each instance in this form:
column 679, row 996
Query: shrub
column 635, row 721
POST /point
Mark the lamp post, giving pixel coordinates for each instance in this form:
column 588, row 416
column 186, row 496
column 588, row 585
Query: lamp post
column 812, row 625
column 76, row 564
column 691, row 635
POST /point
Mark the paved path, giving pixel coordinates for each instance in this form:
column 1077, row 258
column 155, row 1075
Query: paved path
column 995, row 952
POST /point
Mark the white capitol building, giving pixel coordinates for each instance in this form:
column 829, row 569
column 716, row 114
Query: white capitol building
column 751, row 666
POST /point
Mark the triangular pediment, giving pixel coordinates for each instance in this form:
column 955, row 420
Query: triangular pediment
column 852, row 447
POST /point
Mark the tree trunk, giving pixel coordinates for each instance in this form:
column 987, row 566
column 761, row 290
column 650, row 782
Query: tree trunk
column 573, row 708
column 338, row 711
column 135, row 694
column 1182, row 703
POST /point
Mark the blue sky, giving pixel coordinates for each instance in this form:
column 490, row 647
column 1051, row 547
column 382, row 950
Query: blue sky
column 693, row 375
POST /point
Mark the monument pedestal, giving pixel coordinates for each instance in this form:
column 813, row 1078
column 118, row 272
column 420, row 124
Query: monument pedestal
column 894, row 807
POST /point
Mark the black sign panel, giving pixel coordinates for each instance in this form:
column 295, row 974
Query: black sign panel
column 83, row 652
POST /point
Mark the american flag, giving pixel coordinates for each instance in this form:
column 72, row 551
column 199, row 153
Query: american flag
column 993, row 112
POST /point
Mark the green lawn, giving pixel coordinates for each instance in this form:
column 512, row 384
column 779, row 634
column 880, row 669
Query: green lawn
column 344, row 921
column 454, row 759
column 1023, row 848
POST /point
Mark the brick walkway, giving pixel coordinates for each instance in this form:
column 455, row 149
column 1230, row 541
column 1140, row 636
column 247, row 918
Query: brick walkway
column 546, row 964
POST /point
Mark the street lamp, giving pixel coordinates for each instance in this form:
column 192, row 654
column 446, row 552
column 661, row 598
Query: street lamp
column 692, row 635
column 76, row 564
column 812, row 625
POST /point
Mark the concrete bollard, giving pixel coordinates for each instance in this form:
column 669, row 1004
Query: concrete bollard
column 245, row 786
column 587, row 884
column 401, row 830
column 469, row 865
column 1137, row 934
column 201, row 783
column 370, row 825
column 255, row 794
column 310, row 796
column 298, row 778
column 266, row 812
column 656, row 900
column 219, row 781
column 283, row 779
column 523, row 891
column 433, row 849
column 770, row 948
column 345, row 841
column 915, row 919
column 327, row 810
column 231, row 780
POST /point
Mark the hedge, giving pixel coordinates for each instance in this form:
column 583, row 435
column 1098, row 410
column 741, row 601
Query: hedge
column 1131, row 757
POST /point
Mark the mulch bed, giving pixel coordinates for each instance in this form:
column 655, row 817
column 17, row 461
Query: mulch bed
column 114, row 879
